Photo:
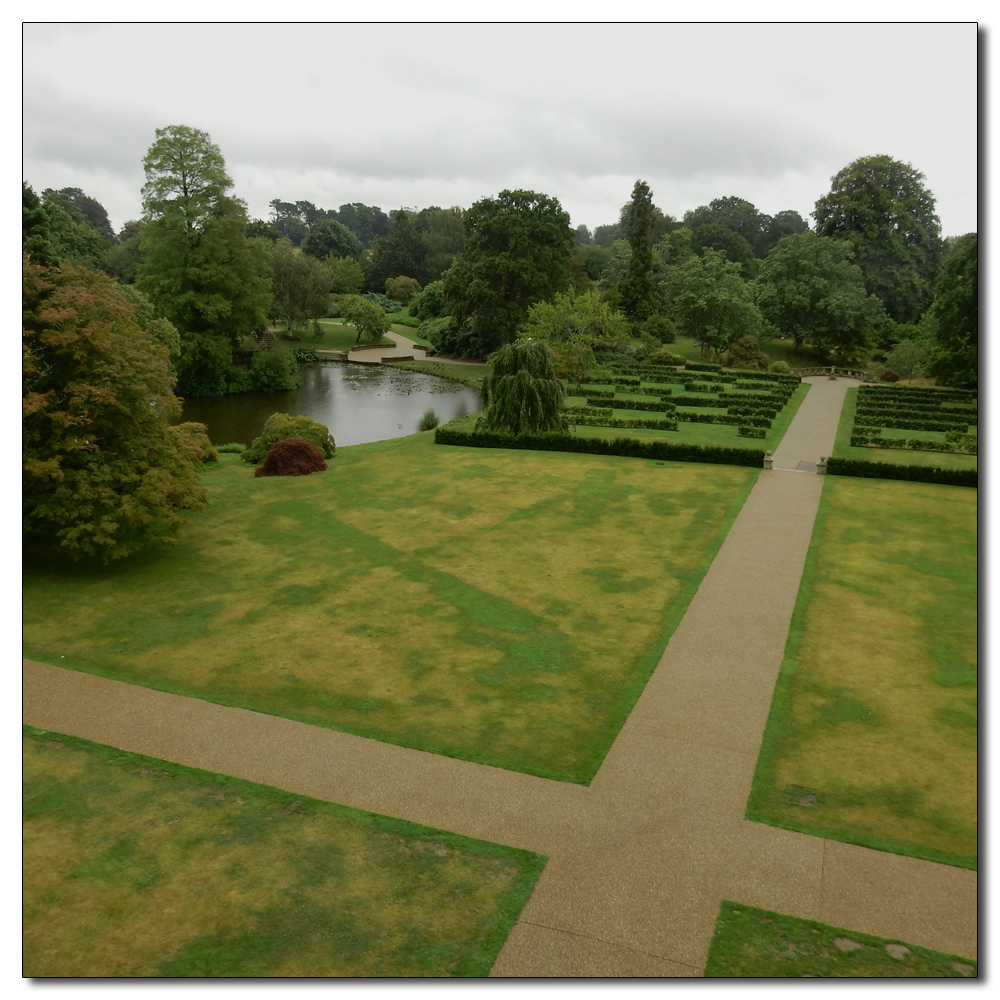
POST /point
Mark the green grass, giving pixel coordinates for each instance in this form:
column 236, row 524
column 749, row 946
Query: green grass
column 503, row 607
column 758, row 944
column 872, row 734
column 939, row 459
column 336, row 337
column 720, row 435
column 136, row 867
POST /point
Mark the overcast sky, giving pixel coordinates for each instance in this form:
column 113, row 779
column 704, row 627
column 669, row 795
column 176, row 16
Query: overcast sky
column 436, row 114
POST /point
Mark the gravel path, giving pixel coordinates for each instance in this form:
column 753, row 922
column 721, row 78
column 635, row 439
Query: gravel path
column 640, row 859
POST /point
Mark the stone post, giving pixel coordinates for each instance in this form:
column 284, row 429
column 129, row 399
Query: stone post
column 821, row 467
column 768, row 460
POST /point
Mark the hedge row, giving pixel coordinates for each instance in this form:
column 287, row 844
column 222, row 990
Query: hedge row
column 756, row 411
column 919, row 392
column 864, row 469
column 589, row 411
column 633, row 404
column 653, row 425
column 905, row 423
column 724, row 418
column 868, row 404
column 912, row 444
column 625, row 446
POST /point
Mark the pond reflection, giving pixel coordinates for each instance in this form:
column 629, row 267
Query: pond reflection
column 359, row 403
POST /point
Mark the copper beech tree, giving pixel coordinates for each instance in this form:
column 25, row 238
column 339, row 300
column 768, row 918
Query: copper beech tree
column 104, row 472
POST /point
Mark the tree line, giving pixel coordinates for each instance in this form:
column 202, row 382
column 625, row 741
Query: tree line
column 117, row 325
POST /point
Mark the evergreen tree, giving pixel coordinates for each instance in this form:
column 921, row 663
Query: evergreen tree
column 199, row 268
column 639, row 297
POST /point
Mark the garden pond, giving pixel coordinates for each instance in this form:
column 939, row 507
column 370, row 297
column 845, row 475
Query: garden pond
column 358, row 402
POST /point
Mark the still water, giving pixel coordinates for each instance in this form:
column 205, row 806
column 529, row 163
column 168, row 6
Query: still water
column 359, row 403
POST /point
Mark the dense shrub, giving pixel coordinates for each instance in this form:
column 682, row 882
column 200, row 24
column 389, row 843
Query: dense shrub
column 291, row 457
column 664, row 357
column 280, row 426
column 231, row 448
column 889, row 376
column 389, row 305
column 779, row 368
column 198, row 433
column 428, row 421
column 661, row 328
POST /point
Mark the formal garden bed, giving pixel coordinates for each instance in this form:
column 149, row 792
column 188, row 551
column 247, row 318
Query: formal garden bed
column 872, row 735
column 499, row 606
column 908, row 432
column 136, row 867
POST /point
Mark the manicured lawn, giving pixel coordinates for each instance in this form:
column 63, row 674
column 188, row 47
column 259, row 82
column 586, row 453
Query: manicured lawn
column 501, row 606
column 872, row 736
column 759, row 944
column 336, row 337
column 136, row 867
column 938, row 459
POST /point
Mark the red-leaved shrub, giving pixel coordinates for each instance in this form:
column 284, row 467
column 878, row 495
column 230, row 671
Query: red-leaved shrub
column 291, row 457
column 889, row 376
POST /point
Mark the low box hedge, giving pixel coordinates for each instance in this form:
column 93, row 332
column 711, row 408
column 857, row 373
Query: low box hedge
column 624, row 446
column 863, row 469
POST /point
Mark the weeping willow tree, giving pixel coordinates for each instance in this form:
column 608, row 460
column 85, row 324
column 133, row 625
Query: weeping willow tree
column 522, row 395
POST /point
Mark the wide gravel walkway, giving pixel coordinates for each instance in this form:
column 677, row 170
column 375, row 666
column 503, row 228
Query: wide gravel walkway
column 640, row 859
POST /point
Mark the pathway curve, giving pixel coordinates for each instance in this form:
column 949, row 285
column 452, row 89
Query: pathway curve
column 640, row 859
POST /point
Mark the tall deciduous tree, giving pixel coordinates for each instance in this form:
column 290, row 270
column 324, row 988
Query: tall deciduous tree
column 104, row 473
column 639, row 296
column 711, row 302
column 328, row 237
column 584, row 317
column 954, row 317
column 882, row 209
column 300, row 285
column 81, row 208
column 368, row 318
column 199, row 268
column 522, row 394
column 401, row 252
column 517, row 252
column 809, row 289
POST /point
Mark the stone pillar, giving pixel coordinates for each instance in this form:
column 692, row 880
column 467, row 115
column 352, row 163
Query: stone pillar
column 768, row 460
column 821, row 467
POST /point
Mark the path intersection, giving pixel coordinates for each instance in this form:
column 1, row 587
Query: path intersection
column 640, row 860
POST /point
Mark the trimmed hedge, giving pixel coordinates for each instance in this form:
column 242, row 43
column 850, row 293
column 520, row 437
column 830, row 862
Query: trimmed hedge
column 702, row 366
column 904, row 423
column 588, row 421
column 632, row 404
column 864, row 469
column 624, row 446
column 916, row 444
